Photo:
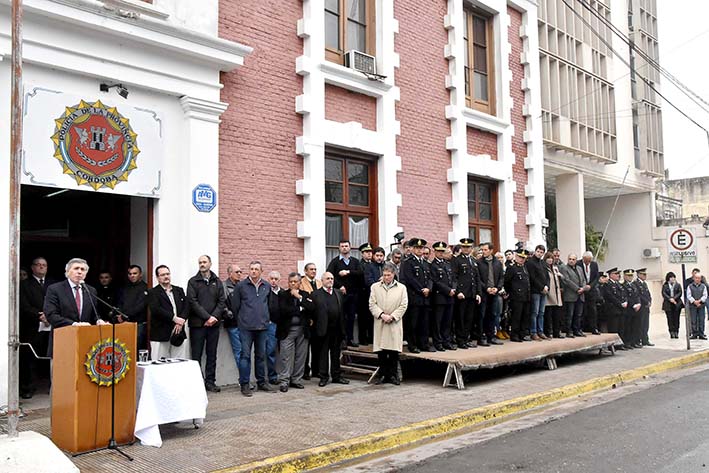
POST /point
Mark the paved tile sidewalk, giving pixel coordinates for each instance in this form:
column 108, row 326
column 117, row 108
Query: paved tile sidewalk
column 240, row 430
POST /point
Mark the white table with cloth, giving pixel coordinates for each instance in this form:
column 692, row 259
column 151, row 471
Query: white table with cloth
column 168, row 392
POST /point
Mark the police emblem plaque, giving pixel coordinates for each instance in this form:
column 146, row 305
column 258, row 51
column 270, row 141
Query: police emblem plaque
column 100, row 358
column 95, row 144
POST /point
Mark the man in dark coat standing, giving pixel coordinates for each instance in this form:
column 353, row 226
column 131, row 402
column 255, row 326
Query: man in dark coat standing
column 71, row 302
column 133, row 302
column 169, row 311
column 34, row 327
column 518, row 287
column 466, row 282
column 492, row 283
column 591, row 275
column 415, row 275
column 443, row 297
column 205, row 294
column 349, row 279
column 330, row 324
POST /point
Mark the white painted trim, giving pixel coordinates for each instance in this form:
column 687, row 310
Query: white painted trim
column 319, row 132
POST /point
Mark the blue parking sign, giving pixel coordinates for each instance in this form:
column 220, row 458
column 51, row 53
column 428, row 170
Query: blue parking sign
column 204, row 198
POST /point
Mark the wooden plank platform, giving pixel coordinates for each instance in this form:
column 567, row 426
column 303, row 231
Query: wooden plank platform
column 510, row 353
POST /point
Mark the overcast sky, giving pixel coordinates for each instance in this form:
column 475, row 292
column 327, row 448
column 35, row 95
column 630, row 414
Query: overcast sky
column 684, row 52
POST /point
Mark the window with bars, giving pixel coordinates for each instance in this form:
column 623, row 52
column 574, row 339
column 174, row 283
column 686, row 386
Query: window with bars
column 479, row 70
column 349, row 25
column 350, row 202
column 482, row 212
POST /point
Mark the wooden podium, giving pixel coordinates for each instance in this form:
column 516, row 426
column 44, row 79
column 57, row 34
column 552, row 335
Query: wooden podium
column 81, row 408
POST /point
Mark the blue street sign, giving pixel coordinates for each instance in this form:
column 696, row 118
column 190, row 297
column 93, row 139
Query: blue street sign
column 204, row 198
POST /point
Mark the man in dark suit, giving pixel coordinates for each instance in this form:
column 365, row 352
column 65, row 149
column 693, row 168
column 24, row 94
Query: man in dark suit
column 330, row 316
column 349, row 279
column 591, row 275
column 169, row 311
column 71, row 302
column 416, row 276
column 466, row 282
column 34, row 327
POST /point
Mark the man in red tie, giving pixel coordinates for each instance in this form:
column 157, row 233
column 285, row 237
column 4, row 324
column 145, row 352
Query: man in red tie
column 71, row 302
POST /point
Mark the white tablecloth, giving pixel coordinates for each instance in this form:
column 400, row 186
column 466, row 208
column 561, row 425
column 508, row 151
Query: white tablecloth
column 167, row 393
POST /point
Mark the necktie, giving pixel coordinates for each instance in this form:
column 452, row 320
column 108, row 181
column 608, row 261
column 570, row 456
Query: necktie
column 41, row 282
column 77, row 298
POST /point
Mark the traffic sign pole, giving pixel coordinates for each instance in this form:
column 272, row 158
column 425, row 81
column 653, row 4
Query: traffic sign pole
column 687, row 318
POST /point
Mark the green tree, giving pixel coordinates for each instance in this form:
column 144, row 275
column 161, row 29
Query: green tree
column 593, row 240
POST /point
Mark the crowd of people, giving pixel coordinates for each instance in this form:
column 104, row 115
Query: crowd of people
column 437, row 298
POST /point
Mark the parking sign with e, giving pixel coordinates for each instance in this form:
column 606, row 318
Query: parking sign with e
column 681, row 246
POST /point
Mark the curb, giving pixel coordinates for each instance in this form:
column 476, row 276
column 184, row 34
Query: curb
column 390, row 439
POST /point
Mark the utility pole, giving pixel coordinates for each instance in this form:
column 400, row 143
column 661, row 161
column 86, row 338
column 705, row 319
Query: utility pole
column 13, row 402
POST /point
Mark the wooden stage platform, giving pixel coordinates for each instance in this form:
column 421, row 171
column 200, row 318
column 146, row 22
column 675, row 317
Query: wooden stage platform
column 510, row 353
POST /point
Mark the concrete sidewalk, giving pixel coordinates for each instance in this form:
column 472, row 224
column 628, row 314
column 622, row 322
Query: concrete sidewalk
column 239, row 431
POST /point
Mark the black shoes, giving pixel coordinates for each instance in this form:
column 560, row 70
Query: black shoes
column 495, row 341
column 596, row 332
column 385, row 379
column 283, row 388
column 430, row 349
column 483, row 343
column 323, row 382
column 341, row 381
column 448, row 346
column 414, row 350
column 212, row 388
column 570, row 335
column 439, row 348
column 352, row 344
column 580, row 334
column 297, row 386
column 246, row 390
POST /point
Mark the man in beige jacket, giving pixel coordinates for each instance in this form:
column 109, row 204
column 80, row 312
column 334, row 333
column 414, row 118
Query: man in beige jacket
column 387, row 303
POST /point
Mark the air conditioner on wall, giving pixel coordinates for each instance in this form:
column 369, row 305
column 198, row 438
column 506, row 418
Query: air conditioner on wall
column 651, row 253
column 361, row 62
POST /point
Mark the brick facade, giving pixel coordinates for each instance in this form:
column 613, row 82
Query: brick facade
column 258, row 165
column 424, row 128
column 344, row 106
column 481, row 142
column 519, row 147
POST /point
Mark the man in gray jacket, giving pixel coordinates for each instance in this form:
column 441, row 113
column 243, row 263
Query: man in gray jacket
column 249, row 303
column 573, row 282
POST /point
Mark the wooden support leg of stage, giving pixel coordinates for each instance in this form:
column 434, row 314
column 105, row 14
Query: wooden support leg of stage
column 453, row 370
column 551, row 363
column 369, row 381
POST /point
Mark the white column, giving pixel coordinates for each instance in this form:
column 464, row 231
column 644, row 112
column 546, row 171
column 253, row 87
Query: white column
column 4, row 221
column 570, row 213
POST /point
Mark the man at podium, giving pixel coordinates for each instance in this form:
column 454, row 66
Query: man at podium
column 71, row 302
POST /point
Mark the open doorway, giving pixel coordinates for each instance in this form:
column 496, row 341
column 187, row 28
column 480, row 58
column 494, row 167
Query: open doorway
column 109, row 231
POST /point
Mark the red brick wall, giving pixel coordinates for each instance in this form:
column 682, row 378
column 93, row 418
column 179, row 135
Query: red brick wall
column 421, row 111
column 342, row 105
column 258, row 208
column 481, row 142
column 519, row 147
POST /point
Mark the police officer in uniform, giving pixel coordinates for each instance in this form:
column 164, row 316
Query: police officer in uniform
column 645, row 303
column 518, row 287
column 615, row 304
column 416, row 277
column 443, row 298
column 466, row 282
column 365, row 323
column 632, row 311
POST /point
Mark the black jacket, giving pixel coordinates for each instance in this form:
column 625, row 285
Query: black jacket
column 289, row 308
column 668, row 293
column 318, row 297
column 108, row 294
column 466, row 276
column 31, row 304
column 274, row 307
column 498, row 274
column 161, row 314
column 415, row 275
column 354, row 281
column 517, row 283
column 442, row 277
column 133, row 301
column 538, row 275
column 206, row 299
column 60, row 307
column 372, row 274
column 613, row 297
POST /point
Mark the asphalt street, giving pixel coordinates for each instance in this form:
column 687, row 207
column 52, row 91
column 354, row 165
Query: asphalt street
column 661, row 429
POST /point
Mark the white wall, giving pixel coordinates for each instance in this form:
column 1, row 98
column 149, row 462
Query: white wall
column 4, row 219
column 201, row 16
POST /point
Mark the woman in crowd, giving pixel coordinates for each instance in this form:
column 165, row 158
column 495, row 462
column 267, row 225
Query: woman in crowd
column 554, row 302
column 672, row 303
column 387, row 303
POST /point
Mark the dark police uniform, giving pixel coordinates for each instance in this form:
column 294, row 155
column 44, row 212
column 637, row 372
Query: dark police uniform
column 518, row 287
column 442, row 277
column 613, row 299
column 644, row 313
column 632, row 317
column 365, row 322
column 416, row 277
column 466, row 281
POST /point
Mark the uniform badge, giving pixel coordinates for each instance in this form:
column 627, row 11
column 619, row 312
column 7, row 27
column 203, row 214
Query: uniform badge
column 95, row 144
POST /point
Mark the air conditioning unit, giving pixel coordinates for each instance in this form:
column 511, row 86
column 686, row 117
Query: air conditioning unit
column 650, row 253
column 361, row 62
